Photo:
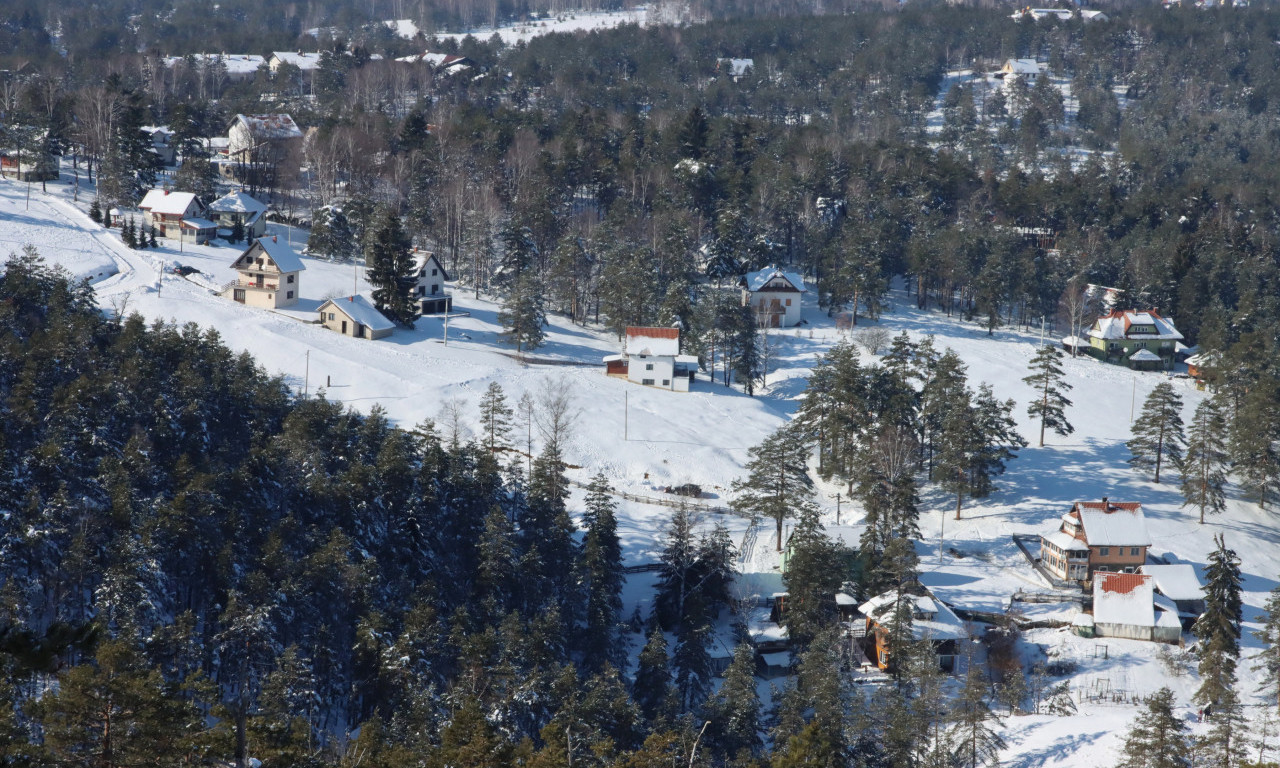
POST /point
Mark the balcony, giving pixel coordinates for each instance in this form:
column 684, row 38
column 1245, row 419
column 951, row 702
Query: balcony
column 249, row 285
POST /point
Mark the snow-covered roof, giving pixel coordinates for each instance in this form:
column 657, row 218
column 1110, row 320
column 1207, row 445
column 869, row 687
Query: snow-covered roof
column 845, row 599
column 756, row 281
column 1074, row 341
column 1119, row 324
column 735, row 67
column 237, row 202
column 1203, row 359
column 236, row 63
column 1120, row 524
column 196, row 223
column 643, row 340
column 166, row 202
column 360, row 310
column 437, row 60
column 779, row 659
column 1065, row 541
column 687, row 359
column 1177, row 582
column 275, row 126
column 930, row 618
column 283, row 256
column 1145, row 356
column 423, row 259
column 304, row 61
column 613, row 358
column 1123, row 598
column 405, row 28
column 1021, row 67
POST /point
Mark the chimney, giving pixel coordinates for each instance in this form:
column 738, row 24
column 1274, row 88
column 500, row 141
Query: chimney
column 351, row 298
column 1105, row 506
column 274, row 239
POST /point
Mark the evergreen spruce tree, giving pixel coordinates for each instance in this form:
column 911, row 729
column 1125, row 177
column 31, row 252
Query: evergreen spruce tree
column 522, row 316
column 678, row 594
column 495, row 418
column 777, row 483
column 1254, row 443
column 748, row 363
column 1050, row 404
column 1157, row 433
column 691, row 664
column 735, row 710
column 602, row 576
column 1218, row 628
column 816, row 568
column 652, row 690
column 237, row 231
column 151, row 238
column 1223, row 746
column 95, row 211
column 1267, row 662
column 973, row 742
column 1158, row 738
column 390, row 268
column 126, row 234
column 1204, row 470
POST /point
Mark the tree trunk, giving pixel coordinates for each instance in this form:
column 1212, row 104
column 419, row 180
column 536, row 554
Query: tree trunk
column 959, row 501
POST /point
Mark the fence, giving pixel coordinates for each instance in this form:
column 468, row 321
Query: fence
column 675, row 503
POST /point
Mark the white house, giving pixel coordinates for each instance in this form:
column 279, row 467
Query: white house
column 269, row 275
column 356, row 317
column 167, row 210
column 162, row 143
column 774, row 295
column 429, row 292
column 249, row 134
column 307, row 62
column 239, row 207
column 1125, row 605
column 652, row 358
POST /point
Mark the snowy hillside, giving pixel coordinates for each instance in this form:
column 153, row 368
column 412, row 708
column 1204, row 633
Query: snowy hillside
column 702, row 437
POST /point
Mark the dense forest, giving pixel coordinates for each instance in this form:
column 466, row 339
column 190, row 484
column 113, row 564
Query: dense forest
column 199, row 564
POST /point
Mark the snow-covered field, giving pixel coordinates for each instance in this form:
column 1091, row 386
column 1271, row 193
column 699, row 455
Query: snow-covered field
column 569, row 21
column 703, row 436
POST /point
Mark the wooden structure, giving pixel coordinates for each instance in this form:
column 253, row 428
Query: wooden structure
column 1096, row 536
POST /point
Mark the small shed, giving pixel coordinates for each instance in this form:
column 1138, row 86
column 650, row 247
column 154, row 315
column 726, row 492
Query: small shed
column 1179, row 584
column 1145, row 360
column 198, row 231
column 356, row 317
column 776, row 664
column 1125, row 606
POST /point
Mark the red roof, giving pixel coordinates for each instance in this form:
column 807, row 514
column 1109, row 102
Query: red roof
column 1111, row 506
column 653, row 333
column 1120, row 583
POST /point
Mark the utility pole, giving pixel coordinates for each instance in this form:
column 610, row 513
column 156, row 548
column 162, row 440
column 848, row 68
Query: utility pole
column 446, row 329
column 306, row 376
column 1133, row 399
column 626, row 404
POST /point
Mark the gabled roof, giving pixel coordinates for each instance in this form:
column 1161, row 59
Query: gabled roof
column 164, row 201
column 1117, row 524
column 1021, row 67
column 1118, row 323
column 939, row 622
column 423, row 259
column 1177, row 582
column 236, row 202
column 280, row 253
column 360, row 310
column 755, row 281
column 236, row 63
column 644, row 340
column 274, row 126
column 1145, row 356
column 303, row 61
column 193, row 223
column 1123, row 598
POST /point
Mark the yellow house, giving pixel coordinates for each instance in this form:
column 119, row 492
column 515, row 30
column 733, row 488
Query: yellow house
column 269, row 273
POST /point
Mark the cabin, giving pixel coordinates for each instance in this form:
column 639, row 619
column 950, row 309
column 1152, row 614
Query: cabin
column 1026, row 69
column 1199, row 366
column 931, row 619
column 1180, row 584
column 1120, row 333
column 429, row 292
column 652, row 357
column 238, row 207
column 774, row 295
column 269, row 275
column 1096, row 536
column 355, row 316
column 1125, row 605
column 28, row 166
column 735, row 68
column 167, row 210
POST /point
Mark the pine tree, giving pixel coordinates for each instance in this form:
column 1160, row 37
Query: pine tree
column 1204, row 470
column 522, row 316
column 1047, row 379
column 1223, row 746
column 652, row 690
column 816, row 568
column 151, row 238
column 691, row 663
column 678, row 593
column 602, row 576
column 495, row 418
column 735, row 710
column 777, row 483
column 237, row 231
column 1158, row 738
column 1267, row 662
column 95, row 211
column 973, row 742
column 126, row 234
column 748, row 363
column 390, row 268
column 1157, row 433
column 1253, row 444
column 1218, row 628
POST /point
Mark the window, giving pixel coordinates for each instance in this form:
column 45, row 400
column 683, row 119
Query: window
column 289, row 295
column 648, row 366
column 1104, row 551
column 788, row 302
column 433, row 273
column 290, row 280
column 1133, row 551
column 647, row 382
column 666, row 382
column 331, row 316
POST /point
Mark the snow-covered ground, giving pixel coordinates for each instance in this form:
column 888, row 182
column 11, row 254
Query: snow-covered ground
column 703, row 436
column 569, row 21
